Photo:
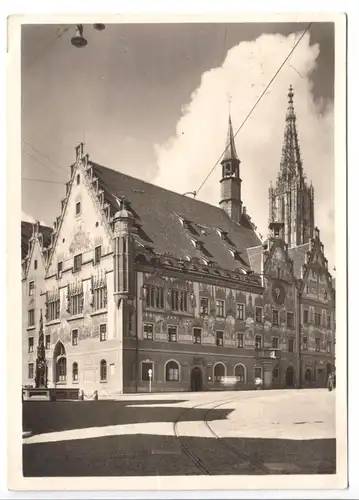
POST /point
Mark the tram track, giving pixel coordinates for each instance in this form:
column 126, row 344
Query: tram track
column 191, row 453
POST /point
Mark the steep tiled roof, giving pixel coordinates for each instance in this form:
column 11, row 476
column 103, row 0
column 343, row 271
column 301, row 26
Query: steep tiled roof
column 297, row 254
column 169, row 221
column 254, row 257
column 27, row 229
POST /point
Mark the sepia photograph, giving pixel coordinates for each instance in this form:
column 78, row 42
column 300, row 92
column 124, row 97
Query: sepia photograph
column 179, row 258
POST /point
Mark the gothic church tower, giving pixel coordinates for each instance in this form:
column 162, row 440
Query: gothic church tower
column 231, row 201
column 291, row 201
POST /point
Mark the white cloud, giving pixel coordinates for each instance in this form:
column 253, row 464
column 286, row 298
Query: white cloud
column 201, row 130
column 29, row 218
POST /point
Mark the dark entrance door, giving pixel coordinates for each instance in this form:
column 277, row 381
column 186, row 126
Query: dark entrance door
column 289, row 378
column 196, row 379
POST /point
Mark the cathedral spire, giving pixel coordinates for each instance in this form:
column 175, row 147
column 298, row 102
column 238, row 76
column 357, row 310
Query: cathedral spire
column 291, row 163
column 230, row 152
column 291, row 201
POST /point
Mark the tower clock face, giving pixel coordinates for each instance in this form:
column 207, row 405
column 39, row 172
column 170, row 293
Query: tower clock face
column 278, row 292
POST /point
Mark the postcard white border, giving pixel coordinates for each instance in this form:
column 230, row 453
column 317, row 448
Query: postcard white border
column 181, row 483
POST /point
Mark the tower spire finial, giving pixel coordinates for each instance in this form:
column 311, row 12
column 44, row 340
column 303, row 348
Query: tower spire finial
column 230, row 153
column 290, row 95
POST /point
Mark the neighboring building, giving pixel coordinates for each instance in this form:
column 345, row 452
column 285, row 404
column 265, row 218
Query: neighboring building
column 34, row 240
column 139, row 278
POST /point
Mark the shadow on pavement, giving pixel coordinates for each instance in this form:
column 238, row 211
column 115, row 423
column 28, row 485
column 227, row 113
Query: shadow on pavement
column 42, row 417
column 148, row 455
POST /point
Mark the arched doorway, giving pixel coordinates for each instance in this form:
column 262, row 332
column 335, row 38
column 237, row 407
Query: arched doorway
column 196, row 379
column 60, row 364
column 308, row 376
column 219, row 372
column 289, row 377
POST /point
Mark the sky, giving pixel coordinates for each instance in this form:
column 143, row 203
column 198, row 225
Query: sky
column 152, row 100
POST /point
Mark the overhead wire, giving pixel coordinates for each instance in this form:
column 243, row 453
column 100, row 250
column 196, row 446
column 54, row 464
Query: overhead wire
column 256, row 104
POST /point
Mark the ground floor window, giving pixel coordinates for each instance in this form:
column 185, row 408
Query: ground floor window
column 75, row 372
column 257, row 372
column 61, row 370
column 172, row 371
column 103, row 371
column 145, row 371
column 219, row 372
column 240, row 373
column 30, row 373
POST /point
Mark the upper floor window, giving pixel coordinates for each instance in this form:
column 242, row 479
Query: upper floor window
column 103, row 371
column 75, row 337
column 317, row 344
column 240, row 311
column 220, row 308
column 179, row 300
column 197, row 335
column 77, row 262
column 219, row 338
column 78, row 208
column 30, row 372
column 329, row 347
column 204, row 306
column 305, row 316
column 98, row 254
column 59, row 269
column 148, row 331
column 103, row 332
column 317, row 319
column 275, row 342
column 172, row 334
column 78, row 179
column 154, row 296
column 31, row 287
column 258, row 342
column 240, row 340
column 100, row 297
column 53, row 308
column 290, row 345
column 35, row 264
column 275, row 317
column 31, row 317
column 76, row 301
column 290, row 319
column 75, row 372
column 47, row 342
column 259, row 315
column 305, row 343
column 328, row 320
column 30, row 344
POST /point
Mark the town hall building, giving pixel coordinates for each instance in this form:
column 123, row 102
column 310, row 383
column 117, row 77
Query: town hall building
column 178, row 292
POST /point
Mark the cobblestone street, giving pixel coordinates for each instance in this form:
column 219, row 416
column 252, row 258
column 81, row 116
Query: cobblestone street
column 183, row 433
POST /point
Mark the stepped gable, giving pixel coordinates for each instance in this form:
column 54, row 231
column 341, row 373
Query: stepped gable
column 27, row 229
column 297, row 255
column 173, row 224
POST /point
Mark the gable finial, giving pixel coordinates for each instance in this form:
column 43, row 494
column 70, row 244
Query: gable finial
column 79, row 151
